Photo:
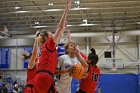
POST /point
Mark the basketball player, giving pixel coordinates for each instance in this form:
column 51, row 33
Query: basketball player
column 43, row 80
column 93, row 74
column 65, row 62
column 33, row 60
column 32, row 65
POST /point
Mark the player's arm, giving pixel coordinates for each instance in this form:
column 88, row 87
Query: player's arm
column 81, row 59
column 32, row 61
column 59, row 66
column 62, row 23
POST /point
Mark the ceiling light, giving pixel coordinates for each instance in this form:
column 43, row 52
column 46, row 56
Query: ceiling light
column 87, row 24
column 85, row 21
column 17, row 7
column 138, row 22
column 50, row 4
column 21, row 11
column 80, row 8
column 53, row 10
column 69, row 25
column 36, row 23
column 39, row 26
column 77, row 2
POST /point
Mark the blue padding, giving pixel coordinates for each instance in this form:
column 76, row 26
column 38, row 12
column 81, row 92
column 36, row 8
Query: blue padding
column 4, row 57
column 61, row 49
column 119, row 83
column 26, row 61
column 61, row 44
column 115, row 83
column 139, row 83
column 25, row 64
column 75, row 84
column 4, row 65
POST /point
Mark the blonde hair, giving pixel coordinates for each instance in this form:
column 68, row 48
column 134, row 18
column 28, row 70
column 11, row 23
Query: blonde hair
column 66, row 45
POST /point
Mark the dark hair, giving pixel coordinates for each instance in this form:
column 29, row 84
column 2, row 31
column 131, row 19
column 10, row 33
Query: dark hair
column 93, row 57
column 43, row 32
column 25, row 56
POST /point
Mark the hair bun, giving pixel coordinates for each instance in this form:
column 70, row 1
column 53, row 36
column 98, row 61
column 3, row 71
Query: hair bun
column 93, row 51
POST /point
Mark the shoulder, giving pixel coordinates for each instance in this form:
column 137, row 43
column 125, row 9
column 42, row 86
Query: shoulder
column 64, row 56
column 97, row 69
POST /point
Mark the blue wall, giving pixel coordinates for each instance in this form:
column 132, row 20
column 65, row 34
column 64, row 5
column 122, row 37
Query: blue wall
column 119, row 83
column 4, row 58
column 139, row 83
column 29, row 50
column 115, row 83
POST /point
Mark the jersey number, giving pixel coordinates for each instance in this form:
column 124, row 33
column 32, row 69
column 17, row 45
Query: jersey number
column 95, row 77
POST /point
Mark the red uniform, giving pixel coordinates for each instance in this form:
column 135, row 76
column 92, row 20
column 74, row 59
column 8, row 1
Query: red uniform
column 88, row 84
column 31, row 73
column 47, row 61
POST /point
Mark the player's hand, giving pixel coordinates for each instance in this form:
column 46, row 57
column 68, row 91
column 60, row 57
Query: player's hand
column 71, row 69
column 37, row 33
column 69, row 36
column 69, row 3
column 85, row 75
column 77, row 50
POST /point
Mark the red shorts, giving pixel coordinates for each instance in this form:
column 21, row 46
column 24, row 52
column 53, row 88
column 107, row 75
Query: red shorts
column 41, row 83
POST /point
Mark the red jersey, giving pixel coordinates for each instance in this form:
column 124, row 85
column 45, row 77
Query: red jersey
column 88, row 84
column 48, row 58
column 47, row 61
column 31, row 73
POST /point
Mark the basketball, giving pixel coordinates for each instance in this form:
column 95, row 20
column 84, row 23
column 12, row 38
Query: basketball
column 79, row 72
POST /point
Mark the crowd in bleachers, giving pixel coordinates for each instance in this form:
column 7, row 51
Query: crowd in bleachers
column 10, row 85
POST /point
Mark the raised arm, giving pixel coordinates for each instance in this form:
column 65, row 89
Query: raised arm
column 81, row 59
column 62, row 23
column 32, row 61
column 69, row 37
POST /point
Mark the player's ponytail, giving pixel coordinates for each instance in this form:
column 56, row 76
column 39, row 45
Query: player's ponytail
column 25, row 56
column 93, row 57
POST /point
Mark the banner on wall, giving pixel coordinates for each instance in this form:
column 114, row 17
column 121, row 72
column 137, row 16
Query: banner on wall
column 60, row 49
column 4, row 58
column 26, row 61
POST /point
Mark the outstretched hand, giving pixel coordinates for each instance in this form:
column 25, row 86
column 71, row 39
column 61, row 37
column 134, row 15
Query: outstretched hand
column 37, row 33
column 77, row 50
column 69, row 3
column 69, row 36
